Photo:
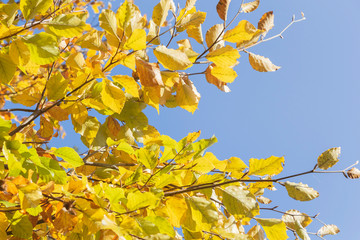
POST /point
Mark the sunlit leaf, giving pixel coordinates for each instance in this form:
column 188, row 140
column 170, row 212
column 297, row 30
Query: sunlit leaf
column 56, row 87
column 128, row 83
column 300, row 191
column 269, row 166
column 149, row 73
column 137, row 40
column 275, row 229
column 330, row 229
column 224, row 74
column 222, row 8
column 112, row 96
column 160, row 12
column 7, row 68
column 224, row 57
column 187, row 97
column 244, row 31
column 353, row 173
column 262, row 64
column 43, row 48
column 329, row 158
column 266, row 22
column 172, row 59
column 108, row 22
column 66, row 25
column 250, row 6
column 70, row 156
column 292, row 216
column 214, row 80
column 30, row 8
column 213, row 37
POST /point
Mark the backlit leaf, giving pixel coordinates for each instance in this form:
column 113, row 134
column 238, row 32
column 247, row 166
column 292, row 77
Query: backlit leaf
column 112, row 96
column 172, row 59
column 137, row 200
column 66, row 25
column 195, row 32
column 224, row 74
column 250, row 6
column 56, row 87
column 69, row 155
column 160, row 12
column 329, row 158
column 43, row 48
column 224, row 57
column 275, row 229
column 187, row 97
column 128, row 83
column 30, row 8
column 244, row 31
column 300, row 191
column 7, row 68
column 214, row 80
column 108, row 22
column 262, row 64
column 137, row 40
column 239, row 202
column 222, row 8
column 269, row 166
column 203, row 212
column 19, row 52
column 330, row 229
column 149, row 73
column 292, row 216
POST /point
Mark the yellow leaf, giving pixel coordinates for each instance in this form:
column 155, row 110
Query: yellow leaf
column 191, row 20
column 328, row 158
column 128, row 83
column 137, row 200
column 76, row 60
column 108, row 22
column 19, row 52
column 92, row 40
column 153, row 33
column 190, row 4
column 256, row 233
column 224, row 74
column 79, row 113
column 149, row 73
column 56, row 87
column 112, row 96
column 68, row 25
column 262, row 64
column 235, row 165
column 137, row 40
column 172, row 59
column 46, row 128
column 213, row 80
column 153, row 96
column 176, row 208
column 30, row 196
column 250, row 6
column 30, row 8
column 300, row 191
column 191, row 137
column 7, row 68
column 270, row 166
column 222, row 8
column 8, row 12
column 43, row 48
column 202, row 212
column 224, row 57
column 214, row 37
column 275, row 229
column 195, row 32
column 187, row 97
column 244, row 31
column 160, row 12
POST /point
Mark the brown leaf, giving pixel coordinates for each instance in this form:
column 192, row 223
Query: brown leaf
column 222, row 8
column 262, row 64
column 250, row 6
column 149, row 73
column 330, row 229
column 266, row 22
column 353, row 173
column 213, row 80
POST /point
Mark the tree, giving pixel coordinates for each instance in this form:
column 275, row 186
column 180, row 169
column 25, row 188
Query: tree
column 133, row 182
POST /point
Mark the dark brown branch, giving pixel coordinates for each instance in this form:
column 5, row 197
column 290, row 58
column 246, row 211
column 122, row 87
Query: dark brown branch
column 17, row 110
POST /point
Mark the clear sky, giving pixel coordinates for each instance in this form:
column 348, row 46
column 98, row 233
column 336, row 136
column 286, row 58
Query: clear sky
column 311, row 104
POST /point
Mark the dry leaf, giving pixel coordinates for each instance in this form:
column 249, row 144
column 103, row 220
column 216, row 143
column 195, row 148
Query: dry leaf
column 330, row 229
column 250, row 6
column 149, row 73
column 222, row 8
column 266, row 22
column 262, row 64
column 353, row 173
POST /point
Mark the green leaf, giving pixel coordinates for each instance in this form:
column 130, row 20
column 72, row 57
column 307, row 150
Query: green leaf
column 7, row 68
column 329, row 158
column 239, row 202
column 147, row 157
column 43, row 48
column 156, row 224
column 300, row 191
column 68, row 25
column 275, row 229
column 5, row 125
column 70, row 156
column 30, row 8
column 270, row 166
column 52, row 171
column 137, row 200
column 21, row 226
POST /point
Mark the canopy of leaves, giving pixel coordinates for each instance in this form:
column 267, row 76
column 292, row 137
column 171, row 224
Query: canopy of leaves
column 132, row 182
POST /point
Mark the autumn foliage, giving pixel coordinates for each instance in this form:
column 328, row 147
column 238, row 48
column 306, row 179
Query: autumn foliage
column 132, row 182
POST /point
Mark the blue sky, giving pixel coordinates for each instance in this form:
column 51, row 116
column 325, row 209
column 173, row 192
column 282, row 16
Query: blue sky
column 311, row 104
